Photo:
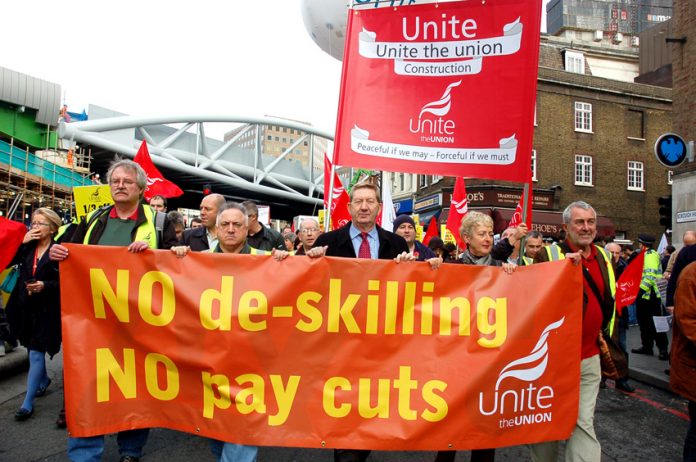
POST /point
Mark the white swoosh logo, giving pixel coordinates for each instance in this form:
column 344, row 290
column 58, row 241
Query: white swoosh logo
column 441, row 106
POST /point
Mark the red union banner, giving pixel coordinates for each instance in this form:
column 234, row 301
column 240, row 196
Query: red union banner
column 362, row 354
column 443, row 88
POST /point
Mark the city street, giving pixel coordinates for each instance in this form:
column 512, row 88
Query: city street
column 647, row 426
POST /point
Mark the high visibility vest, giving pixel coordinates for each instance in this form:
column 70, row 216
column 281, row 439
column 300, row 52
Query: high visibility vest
column 651, row 272
column 146, row 231
column 555, row 253
column 64, row 228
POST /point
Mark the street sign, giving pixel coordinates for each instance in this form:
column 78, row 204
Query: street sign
column 685, row 217
column 670, row 150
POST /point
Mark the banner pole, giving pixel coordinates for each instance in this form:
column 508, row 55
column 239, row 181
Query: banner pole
column 327, row 210
column 525, row 203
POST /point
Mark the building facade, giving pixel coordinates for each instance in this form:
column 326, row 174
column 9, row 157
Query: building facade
column 616, row 18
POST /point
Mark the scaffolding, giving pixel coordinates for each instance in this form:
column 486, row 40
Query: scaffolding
column 42, row 178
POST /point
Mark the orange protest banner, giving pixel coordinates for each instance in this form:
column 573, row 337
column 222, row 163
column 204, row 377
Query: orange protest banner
column 320, row 353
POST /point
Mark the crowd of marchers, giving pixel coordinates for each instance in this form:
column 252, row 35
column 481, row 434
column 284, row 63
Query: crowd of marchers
column 668, row 285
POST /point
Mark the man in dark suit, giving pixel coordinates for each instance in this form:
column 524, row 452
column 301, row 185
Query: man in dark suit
column 361, row 238
column 365, row 205
column 205, row 237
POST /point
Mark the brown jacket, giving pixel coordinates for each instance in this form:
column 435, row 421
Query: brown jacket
column 682, row 376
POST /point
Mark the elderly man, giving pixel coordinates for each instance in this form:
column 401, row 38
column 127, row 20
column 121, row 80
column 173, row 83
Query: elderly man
column 308, row 233
column 232, row 225
column 405, row 227
column 648, row 303
column 126, row 223
column 260, row 236
column 599, row 288
column 205, row 237
column 688, row 238
column 361, row 238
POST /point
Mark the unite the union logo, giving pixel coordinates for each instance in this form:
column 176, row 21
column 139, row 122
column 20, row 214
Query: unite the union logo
column 528, row 403
column 436, row 129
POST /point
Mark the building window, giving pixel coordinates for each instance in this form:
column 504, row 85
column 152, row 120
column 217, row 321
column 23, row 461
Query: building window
column 401, row 181
column 635, row 124
column 583, row 170
column 669, row 176
column 574, row 62
column 535, row 114
column 277, row 139
column 423, row 181
column 583, row 117
column 436, row 178
column 270, row 138
column 635, row 176
column 534, row 165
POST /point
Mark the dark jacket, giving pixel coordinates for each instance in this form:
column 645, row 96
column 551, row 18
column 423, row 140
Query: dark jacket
column 168, row 233
column 197, row 239
column 340, row 245
column 35, row 319
column 682, row 376
column 685, row 256
column 266, row 239
column 423, row 252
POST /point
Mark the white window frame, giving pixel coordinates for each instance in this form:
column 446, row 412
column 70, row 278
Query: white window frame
column 574, row 62
column 583, row 170
column 636, row 176
column 583, row 117
column 534, row 165
column 670, row 174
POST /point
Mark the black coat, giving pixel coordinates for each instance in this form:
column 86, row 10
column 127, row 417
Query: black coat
column 35, row 319
column 197, row 239
column 340, row 245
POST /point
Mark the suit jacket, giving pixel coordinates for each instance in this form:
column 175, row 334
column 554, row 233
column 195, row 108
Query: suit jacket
column 340, row 245
column 197, row 239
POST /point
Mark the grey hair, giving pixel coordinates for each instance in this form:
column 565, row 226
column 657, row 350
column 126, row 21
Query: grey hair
column 314, row 221
column 235, row 206
column 534, row 235
column 251, row 208
column 127, row 164
column 576, row 205
column 473, row 219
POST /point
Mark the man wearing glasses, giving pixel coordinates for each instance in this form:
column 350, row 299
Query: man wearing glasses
column 308, row 233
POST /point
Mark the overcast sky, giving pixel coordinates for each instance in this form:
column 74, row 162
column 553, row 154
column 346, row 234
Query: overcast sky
column 152, row 57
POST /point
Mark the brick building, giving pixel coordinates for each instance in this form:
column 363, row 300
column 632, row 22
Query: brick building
column 594, row 139
column 683, row 52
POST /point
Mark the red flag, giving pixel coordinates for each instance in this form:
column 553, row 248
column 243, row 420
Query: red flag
column 629, row 283
column 431, row 232
column 339, row 202
column 517, row 216
column 157, row 185
column 459, row 207
column 11, row 235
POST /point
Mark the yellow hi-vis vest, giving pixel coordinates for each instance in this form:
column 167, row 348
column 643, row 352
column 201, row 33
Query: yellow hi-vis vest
column 555, row 253
column 651, row 272
column 147, row 230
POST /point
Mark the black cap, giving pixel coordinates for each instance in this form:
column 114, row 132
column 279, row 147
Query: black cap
column 436, row 243
column 646, row 239
column 401, row 219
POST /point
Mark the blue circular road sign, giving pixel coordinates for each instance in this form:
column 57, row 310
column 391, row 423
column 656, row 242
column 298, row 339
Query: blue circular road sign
column 670, row 150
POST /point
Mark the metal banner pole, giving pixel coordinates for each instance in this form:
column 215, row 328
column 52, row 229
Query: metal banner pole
column 525, row 203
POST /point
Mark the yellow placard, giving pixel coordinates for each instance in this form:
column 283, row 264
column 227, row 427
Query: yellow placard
column 89, row 198
column 321, row 219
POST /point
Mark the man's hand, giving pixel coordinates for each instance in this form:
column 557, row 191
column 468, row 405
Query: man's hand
column 575, row 257
column 317, row 252
column 520, row 232
column 405, row 256
column 670, row 310
column 279, row 255
column 509, row 268
column 434, row 262
column 58, row 253
column 138, row 246
column 180, row 250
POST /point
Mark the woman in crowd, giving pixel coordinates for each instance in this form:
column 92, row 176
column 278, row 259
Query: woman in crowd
column 33, row 309
column 476, row 231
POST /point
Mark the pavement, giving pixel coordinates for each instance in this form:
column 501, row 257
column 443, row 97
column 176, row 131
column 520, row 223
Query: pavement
column 646, row 369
